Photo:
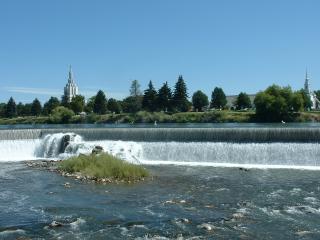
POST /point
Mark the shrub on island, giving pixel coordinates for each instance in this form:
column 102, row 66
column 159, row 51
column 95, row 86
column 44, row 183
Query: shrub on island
column 103, row 166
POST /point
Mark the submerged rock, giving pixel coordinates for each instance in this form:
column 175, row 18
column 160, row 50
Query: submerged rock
column 55, row 224
column 206, row 226
column 65, row 141
column 97, row 150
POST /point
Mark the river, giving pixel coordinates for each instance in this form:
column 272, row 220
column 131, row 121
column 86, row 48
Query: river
column 202, row 188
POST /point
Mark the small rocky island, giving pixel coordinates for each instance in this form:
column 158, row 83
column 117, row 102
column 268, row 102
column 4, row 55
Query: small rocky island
column 96, row 166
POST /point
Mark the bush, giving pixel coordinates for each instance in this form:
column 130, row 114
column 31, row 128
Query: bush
column 61, row 115
column 103, row 166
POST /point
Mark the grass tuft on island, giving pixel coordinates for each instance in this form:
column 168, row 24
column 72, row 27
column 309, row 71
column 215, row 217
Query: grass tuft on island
column 102, row 168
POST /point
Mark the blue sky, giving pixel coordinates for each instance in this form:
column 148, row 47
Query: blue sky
column 238, row 45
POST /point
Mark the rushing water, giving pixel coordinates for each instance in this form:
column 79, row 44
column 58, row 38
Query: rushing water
column 188, row 197
column 177, row 204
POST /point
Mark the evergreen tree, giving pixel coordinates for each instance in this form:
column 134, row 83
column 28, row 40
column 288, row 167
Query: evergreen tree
column 135, row 89
column 199, row 100
column 11, row 108
column 100, row 103
column 77, row 103
column 20, row 108
column 114, row 106
column 218, row 98
column 180, row 96
column 36, row 107
column 51, row 104
column 3, row 110
column 164, row 98
column 149, row 98
column 243, row 101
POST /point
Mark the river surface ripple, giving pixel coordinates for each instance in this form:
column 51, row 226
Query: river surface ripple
column 181, row 202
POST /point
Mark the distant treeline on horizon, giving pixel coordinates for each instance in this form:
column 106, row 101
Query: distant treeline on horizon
column 277, row 102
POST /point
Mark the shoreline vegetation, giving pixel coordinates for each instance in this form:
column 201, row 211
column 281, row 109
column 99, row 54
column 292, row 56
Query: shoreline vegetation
column 216, row 116
column 99, row 168
column 274, row 104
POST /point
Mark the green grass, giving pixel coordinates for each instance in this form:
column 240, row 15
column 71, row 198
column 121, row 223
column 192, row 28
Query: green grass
column 103, row 166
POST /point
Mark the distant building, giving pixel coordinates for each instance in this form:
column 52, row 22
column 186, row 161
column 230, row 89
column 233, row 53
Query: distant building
column 315, row 103
column 71, row 89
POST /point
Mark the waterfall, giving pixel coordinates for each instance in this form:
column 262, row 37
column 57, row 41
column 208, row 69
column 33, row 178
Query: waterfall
column 245, row 135
column 211, row 153
column 243, row 146
column 17, row 150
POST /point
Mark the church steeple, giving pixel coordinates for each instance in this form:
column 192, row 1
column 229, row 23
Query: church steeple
column 306, row 83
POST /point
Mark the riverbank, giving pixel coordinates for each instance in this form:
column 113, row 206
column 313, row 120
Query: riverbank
column 224, row 116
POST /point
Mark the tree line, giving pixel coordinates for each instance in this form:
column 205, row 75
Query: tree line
column 273, row 104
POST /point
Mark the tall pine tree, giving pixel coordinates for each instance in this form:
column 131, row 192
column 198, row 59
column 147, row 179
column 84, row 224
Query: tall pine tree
column 149, row 98
column 36, row 107
column 11, row 109
column 180, row 96
column 100, row 103
column 164, row 98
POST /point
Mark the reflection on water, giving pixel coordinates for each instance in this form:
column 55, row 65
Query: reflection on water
column 179, row 203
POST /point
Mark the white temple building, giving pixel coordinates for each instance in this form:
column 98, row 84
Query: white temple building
column 71, row 89
column 315, row 103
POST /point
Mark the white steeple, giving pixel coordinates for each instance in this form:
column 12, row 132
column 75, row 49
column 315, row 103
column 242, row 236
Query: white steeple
column 71, row 89
column 306, row 83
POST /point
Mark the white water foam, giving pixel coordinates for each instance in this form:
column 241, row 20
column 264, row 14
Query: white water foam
column 17, row 150
column 217, row 154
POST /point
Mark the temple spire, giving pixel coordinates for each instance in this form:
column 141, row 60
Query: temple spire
column 70, row 79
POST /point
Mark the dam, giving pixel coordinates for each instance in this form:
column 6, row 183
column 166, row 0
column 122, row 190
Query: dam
column 249, row 147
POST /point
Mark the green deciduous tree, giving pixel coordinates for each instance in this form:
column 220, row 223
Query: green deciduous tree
column 65, row 101
column 297, row 102
column 89, row 105
column 51, row 104
column 114, row 106
column 306, row 99
column 11, row 108
column 243, row 101
column 100, row 103
column 164, row 100
column 149, row 98
column 199, row 100
column 132, row 104
column 276, row 104
column 218, row 98
column 77, row 103
column 180, row 96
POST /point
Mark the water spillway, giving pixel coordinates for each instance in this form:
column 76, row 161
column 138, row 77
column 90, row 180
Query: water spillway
column 289, row 147
column 255, row 135
column 200, row 134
